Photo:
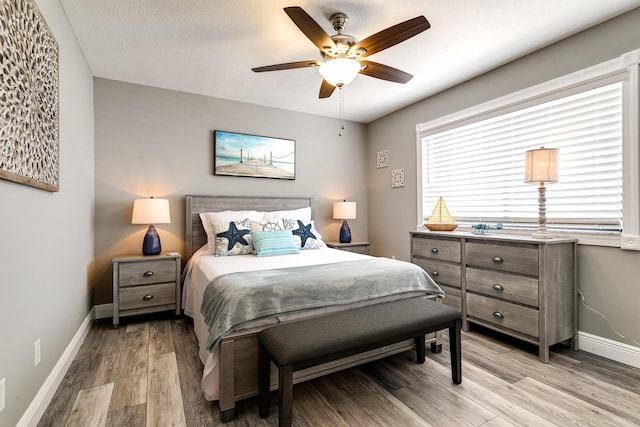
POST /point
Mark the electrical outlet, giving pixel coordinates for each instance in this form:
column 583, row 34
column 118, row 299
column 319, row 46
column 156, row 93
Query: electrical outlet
column 36, row 351
column 1, row 394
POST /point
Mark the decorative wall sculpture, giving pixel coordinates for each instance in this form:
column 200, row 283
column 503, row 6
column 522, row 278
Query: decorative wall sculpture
column 28, row 97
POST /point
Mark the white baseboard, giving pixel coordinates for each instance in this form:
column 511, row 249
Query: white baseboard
column 614, row 350
column 104, row 311
column 42, row 399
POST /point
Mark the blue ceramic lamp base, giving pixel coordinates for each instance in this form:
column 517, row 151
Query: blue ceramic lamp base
column 151, row 242
column 345, row 233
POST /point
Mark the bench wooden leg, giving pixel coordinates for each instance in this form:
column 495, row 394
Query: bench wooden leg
column 456, row 351
column 420, row 348
column 285, row 395
column 264, row 380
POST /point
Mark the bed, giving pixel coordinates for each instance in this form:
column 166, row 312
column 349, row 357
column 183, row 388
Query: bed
column 230, row 357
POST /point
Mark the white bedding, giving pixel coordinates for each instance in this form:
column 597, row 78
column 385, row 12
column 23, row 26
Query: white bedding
column 204, row 267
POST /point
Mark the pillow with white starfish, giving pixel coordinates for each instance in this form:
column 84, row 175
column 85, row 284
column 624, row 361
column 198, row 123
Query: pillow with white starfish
column 233, row 237
column 304, row 233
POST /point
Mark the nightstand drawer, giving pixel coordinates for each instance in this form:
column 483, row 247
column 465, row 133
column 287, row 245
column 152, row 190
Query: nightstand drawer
column 147, row 272
column 447, row 250
column 514, row 258
column 442, row 272
column 147, row 296
column 506, row 315
column 523, row 290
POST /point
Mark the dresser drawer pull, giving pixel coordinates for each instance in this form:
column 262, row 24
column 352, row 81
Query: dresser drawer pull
column 497, row 260
column 147, row 273
column 435, row 273
column 498, row 315
column 497, row 287
column 434, row 250
column 149, row 297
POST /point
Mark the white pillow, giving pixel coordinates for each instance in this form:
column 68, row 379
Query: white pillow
column 225, row 216
column 303, row 214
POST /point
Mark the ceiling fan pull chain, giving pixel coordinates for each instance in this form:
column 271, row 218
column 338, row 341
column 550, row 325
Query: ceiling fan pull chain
column 341, row 110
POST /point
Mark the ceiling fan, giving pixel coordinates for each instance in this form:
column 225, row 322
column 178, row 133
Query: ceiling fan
column 341, row 53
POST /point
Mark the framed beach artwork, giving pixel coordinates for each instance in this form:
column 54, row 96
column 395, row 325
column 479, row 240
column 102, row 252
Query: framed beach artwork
column 239, row 154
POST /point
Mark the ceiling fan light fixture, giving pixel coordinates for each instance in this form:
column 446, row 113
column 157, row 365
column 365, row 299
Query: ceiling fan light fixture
column 340, row 71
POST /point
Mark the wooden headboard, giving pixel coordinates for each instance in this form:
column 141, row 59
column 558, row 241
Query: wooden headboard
column 195, row 235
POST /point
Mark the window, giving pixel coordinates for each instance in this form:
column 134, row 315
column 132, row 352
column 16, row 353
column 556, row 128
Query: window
column 475, row 159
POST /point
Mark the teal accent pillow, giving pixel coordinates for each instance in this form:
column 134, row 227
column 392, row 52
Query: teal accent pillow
column 278, row 242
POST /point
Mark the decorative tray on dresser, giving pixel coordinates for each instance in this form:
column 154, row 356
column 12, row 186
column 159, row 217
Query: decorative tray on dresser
column 517, row 285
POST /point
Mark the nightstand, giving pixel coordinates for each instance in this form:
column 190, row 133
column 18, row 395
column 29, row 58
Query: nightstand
column 145, row 284
column 357, row 247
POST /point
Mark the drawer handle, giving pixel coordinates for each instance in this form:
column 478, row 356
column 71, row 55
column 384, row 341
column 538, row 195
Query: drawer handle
column 149, row 297
column 497, row 260
column 434, row 250
column 497, row 287
column 147, row 273
column 434, row 273
column 498, row 315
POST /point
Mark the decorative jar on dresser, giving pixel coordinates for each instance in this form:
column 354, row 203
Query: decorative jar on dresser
column 517, row 285
column 145, row 284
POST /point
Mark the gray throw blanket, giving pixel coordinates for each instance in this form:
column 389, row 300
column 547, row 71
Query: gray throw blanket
column 236, row 298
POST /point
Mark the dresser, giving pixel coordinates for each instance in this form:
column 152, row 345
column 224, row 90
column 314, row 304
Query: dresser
column 516, row 285
column 145, row 284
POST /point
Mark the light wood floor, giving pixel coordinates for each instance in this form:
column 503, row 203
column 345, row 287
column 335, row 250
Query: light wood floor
column 147, row 373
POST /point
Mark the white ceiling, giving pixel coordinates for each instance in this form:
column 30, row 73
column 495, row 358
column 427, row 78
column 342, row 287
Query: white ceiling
column 208, row 47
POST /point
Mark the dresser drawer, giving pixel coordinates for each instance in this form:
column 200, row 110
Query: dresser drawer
column 147, row 272
column 500, row 313
column 147, row 296
column 523, row 290
column 442, row 272
column 447, row 250
column 515, row 258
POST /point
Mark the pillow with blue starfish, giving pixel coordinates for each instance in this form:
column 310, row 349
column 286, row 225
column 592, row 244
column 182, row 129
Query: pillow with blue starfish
column 304, row 233
column 233, row 237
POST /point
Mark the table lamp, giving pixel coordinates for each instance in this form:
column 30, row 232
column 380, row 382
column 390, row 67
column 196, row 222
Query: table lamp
column 151, row 211
column 344, row 210
column 541, row 165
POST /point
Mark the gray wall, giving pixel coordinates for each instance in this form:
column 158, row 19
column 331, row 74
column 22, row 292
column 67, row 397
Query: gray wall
column 156, row 142
column 46, row 243
column 609, row 276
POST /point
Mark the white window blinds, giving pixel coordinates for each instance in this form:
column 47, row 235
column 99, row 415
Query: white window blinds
column 479, row 167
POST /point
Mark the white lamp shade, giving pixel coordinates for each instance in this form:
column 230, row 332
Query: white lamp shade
column 340, row 71
column 344, row 210
column 541, row 165
column 151, row 211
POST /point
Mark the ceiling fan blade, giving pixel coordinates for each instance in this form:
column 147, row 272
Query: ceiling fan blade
column 326, row 89
column 310, row 28
column 392, row 36
column 287, row 66
column 384, row 72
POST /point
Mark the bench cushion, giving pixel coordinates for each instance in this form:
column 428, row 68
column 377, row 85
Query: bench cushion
column 316, row 340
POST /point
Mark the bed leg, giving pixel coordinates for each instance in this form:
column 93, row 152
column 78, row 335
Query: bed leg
column 436, row 348
column 227, row 387
column 228, row 415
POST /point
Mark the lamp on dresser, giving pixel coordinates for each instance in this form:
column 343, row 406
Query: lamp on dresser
column 151, row 211
column 344, row 210
column 541, row 165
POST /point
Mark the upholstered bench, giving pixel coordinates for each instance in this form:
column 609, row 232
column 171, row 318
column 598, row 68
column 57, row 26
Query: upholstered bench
column 309, row 342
